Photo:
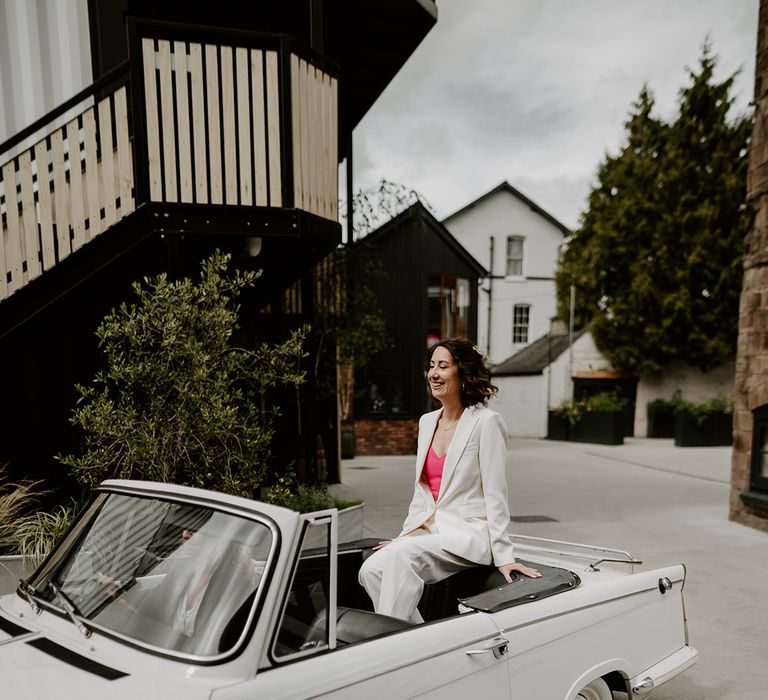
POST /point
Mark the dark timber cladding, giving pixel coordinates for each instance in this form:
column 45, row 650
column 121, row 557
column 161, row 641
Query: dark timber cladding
column 415, row 251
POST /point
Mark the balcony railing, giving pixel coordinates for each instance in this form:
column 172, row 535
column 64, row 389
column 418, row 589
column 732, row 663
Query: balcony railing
column 195, row 117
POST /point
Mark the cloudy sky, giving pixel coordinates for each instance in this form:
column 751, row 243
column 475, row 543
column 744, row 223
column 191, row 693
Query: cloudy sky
column 536, row 92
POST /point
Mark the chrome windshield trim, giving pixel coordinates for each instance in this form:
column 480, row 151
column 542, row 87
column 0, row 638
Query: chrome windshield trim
column 101, row 494
column 28, row 637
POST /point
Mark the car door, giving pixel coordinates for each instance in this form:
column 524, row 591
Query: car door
column 459, row 657
column 441, row 660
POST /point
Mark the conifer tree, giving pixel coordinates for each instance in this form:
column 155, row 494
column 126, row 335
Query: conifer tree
column 656, row 261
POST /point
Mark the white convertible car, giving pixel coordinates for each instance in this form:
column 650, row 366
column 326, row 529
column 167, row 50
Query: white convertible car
column 160, row 592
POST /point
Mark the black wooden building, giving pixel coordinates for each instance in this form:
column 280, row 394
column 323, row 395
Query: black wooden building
column 428, row 290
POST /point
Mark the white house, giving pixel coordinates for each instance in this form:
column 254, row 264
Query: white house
column 519, row 243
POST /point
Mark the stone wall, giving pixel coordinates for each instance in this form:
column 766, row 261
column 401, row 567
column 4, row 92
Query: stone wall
column 752, row 351
column 396, row 436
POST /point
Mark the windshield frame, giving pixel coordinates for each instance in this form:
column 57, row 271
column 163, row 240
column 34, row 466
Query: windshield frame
column 60, row 555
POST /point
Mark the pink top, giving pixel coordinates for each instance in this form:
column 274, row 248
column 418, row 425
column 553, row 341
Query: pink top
column 433, row 471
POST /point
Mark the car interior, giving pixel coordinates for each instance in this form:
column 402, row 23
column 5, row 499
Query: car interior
column 483, row 588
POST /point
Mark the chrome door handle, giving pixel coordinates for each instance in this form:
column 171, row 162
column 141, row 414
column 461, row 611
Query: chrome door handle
column 498, row 646
column 645, row 686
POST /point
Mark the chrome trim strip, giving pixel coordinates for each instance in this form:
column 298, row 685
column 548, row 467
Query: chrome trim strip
column 28, row 637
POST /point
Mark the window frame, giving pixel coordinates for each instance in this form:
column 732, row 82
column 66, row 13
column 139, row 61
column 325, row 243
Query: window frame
column 448, row 297
column 509, row 258
column 309, row 520
column 516, row 326
column 757, row 481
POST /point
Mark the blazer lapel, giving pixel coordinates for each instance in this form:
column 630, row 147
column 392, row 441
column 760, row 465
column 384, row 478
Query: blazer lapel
column 425, row 439
column 463, row 430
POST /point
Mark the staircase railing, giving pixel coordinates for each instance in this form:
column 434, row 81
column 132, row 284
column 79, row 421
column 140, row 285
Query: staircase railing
column 195, row 116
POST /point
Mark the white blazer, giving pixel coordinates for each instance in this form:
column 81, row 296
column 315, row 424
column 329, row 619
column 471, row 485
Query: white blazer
column 471, row 511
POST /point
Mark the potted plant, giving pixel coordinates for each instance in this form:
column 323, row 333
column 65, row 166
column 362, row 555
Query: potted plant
column 306, row 498
column 661, row 418
column 705, row 424
column 27, row 533
column 600, row 419
column 560, row 419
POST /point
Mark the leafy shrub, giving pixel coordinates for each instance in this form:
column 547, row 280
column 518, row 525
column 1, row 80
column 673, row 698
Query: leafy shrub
column 304, row 498
column 660, row 406
column 178, row 401
column 603, row 402
column 568, row 411
column 703, row 409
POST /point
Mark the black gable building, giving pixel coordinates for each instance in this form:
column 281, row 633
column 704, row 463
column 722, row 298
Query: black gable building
column 428, row 291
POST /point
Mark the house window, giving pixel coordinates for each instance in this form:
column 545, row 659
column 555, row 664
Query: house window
column 759, row 479
column 515, row 256
column 521, row 316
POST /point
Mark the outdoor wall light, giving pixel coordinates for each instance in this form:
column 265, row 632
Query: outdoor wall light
column 253, row 245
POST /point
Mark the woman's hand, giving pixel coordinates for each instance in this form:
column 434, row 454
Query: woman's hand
column 381, row 544
column 507, row 569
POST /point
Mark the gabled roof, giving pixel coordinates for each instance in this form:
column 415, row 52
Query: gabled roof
column 506, row 187
column 418, row 213
column 534, row 358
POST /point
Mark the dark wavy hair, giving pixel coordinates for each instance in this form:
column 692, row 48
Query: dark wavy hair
column 474, row 373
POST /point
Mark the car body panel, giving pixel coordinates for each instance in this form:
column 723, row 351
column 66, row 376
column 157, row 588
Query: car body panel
column 433, row 660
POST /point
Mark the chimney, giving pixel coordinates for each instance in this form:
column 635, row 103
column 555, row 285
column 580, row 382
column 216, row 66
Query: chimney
column 557, row 326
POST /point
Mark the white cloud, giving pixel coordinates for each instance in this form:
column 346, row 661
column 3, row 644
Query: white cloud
column 537, row 92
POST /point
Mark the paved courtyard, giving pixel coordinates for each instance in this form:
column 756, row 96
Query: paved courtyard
column 662, row 503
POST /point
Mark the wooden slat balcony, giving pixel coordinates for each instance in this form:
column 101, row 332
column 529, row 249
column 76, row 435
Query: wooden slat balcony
column 213, row 122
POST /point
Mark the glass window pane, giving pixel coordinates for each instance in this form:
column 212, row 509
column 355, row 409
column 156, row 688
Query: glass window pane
column 180, row 577
column 304, row 624
column 520, row 322
column 515, row 256
column 515, row 247
column 763, row 469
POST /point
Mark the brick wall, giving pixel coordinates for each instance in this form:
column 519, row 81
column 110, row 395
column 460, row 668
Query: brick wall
column 752, row 350
column 386, row 437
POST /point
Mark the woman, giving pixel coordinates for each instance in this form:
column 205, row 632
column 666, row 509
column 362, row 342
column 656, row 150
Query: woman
column 458, row 517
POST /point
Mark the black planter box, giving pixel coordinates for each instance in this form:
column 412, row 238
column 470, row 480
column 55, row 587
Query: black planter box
column 716, row 429
column 601, row 427
column 557, row 426
column 661, row 423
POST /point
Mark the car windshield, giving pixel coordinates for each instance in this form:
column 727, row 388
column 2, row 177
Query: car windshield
column 177, row 576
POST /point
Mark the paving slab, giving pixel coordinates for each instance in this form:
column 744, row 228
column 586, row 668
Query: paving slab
column 664, row 504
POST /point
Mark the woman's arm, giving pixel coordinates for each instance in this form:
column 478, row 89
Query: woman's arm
column 492, row 455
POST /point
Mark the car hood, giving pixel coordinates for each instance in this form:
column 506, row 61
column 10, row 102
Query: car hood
column 33, row 666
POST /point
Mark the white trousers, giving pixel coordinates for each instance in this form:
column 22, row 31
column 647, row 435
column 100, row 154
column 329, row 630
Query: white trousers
column 394, row 576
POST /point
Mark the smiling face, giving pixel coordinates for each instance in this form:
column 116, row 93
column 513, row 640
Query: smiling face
column 443, row 376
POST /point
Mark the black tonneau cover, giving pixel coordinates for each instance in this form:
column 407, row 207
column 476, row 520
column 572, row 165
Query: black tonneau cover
column 523, row 589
